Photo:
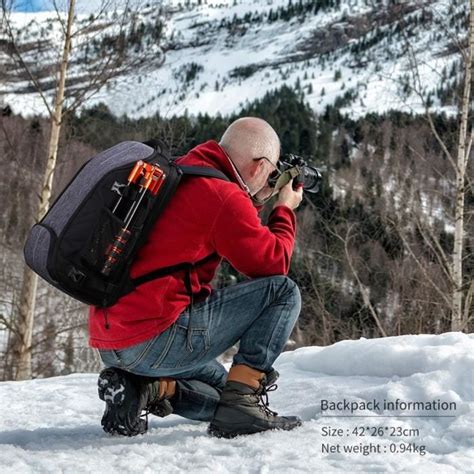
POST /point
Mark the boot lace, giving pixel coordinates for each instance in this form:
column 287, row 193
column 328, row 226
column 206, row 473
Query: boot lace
column 159, row 407
column 263, row 400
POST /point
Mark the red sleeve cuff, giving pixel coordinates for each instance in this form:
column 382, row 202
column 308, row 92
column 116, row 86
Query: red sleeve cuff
column 283, row 209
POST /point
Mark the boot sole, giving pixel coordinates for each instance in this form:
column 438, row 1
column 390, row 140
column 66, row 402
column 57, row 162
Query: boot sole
column 220, row 432
column 113, row 388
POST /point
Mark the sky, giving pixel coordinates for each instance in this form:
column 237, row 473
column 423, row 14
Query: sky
column 47, row 5
column 30, row 5
column 84, row 5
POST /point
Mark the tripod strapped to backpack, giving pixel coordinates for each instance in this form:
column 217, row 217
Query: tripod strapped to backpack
column 148, row 178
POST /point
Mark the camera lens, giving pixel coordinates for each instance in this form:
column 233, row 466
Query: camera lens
column 311, row 179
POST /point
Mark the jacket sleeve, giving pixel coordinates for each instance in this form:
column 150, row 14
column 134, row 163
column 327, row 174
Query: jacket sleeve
column 251, row 248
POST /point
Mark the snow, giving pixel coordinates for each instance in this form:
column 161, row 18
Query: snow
column 52, row 425
column 374, row 76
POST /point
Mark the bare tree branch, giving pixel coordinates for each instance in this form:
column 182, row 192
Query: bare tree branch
column 19, row 58
column 435, row 246
column 421, row 266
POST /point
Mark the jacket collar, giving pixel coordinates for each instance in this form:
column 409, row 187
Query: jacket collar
column 211, row 154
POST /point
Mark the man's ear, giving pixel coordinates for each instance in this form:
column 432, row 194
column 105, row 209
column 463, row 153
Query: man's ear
column 257, row 167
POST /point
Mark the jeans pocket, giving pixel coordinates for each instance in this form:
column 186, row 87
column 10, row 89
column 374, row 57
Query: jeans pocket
column 160, row 351
column 178, row 353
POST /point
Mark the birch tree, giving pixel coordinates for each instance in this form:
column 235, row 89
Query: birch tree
column 30, row 279
column 459, row 301
column 460, row 314
column 98, row 72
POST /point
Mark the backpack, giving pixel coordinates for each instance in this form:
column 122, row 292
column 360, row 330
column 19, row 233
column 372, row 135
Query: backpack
column 87, row 241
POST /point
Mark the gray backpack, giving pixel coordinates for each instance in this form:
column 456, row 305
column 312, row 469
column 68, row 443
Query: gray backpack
column 86, row 243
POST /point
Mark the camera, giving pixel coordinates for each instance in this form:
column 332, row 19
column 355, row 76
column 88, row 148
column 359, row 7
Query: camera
column 295, row 167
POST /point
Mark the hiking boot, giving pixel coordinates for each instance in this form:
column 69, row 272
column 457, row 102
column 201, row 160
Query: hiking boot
column 243, row 406
column 126, row 395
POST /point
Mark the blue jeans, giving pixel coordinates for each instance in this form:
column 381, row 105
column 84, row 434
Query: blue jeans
column 260, row 313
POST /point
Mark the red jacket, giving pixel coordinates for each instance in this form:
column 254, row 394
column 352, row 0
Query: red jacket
column 206, row 215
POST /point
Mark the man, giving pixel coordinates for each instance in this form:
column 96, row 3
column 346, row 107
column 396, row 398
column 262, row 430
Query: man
column 161, row 341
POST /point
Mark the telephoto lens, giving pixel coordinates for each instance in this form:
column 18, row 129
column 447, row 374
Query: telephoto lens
column 311, row 179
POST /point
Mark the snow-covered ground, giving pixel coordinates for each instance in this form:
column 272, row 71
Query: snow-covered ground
column 52, row 425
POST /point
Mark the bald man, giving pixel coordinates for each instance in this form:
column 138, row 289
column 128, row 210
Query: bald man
column 160, row 342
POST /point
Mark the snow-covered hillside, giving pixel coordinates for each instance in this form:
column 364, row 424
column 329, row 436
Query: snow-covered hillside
column 215, row 55
column 52, row 425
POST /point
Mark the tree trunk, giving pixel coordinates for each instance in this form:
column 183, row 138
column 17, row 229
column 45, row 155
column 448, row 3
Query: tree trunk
column 25, row 325
column 30, row 282
column 457, row 320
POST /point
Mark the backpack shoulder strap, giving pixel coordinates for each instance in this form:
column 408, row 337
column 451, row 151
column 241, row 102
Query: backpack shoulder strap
column 203, row 171
column 159, row 273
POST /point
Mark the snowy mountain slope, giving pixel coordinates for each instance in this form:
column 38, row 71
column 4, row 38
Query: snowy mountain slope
column 52, row 425
column 213, row 55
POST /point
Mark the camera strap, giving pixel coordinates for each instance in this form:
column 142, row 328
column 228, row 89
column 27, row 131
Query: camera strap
column 286, row 177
